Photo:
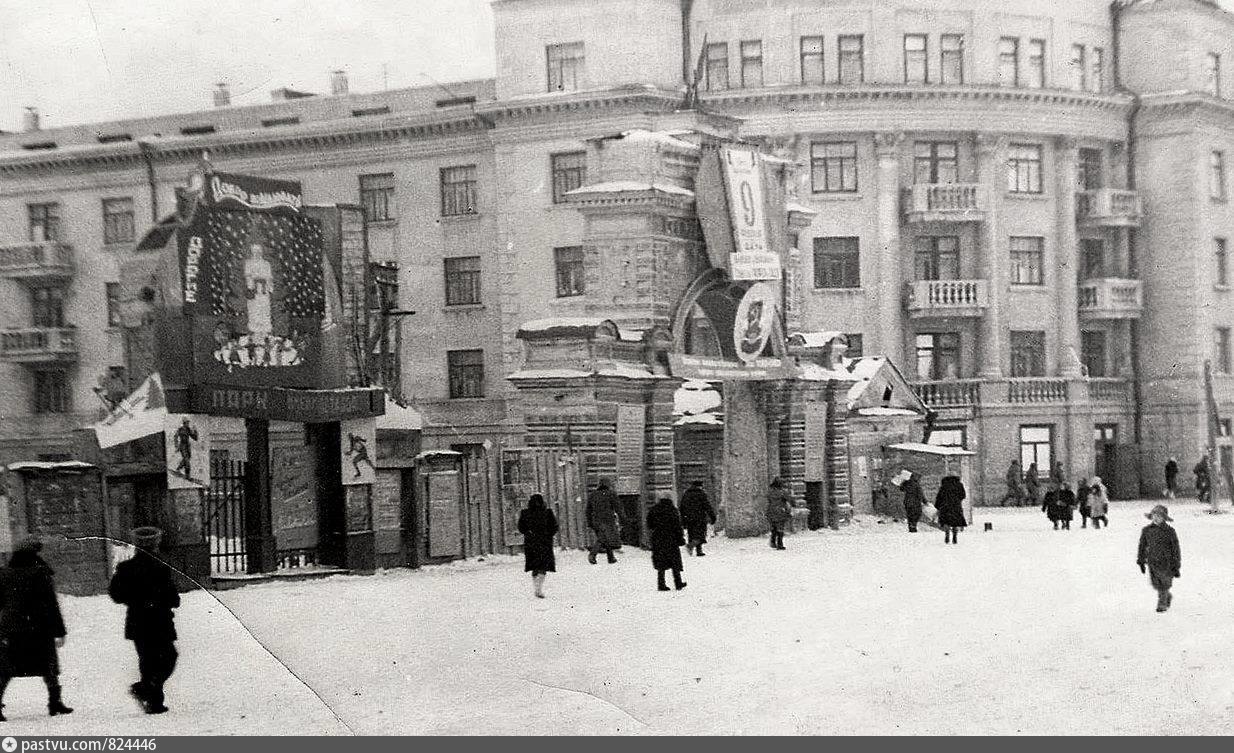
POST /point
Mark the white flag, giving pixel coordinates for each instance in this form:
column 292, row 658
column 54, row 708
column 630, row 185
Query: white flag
column 138, row 415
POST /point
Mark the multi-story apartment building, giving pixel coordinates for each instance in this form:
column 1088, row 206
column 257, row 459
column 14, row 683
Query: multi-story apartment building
column 1025, row 208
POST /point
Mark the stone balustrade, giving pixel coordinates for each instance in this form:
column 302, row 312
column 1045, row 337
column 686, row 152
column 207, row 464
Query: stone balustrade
column 46, row 260
column 38, row 344
column 1109, row 207
column 945, row 202
column 1111, row 298
column 951, row 298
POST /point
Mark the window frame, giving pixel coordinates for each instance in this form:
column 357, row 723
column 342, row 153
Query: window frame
column 44, row 215
column 846, row 165
column 1043, row 466
column 714, row 62
column 557, row 60
column 111, row 294
column 1032, row 352
column 1077, row 67
column 821, row 57
column 379, row 197
column 1095, row 348
column 751, row 60
column 575, row 269
column 849, row 56
column 463, row 282
column 1090, row 173
column 1096, row 71
column 933, row 159
column 856, row 345
column 51, row 398
column 459, row 376
column 47, row 306
column 1029, row 260
column 1024, row 173
column 1008, row 57
column 1221, row 351
column 919, row 57
column 955, row 54
column 837, row 268
column 455, row 193
column 1036, row 64
column 1221, row 252
column 125, row 218
column 929, row 255
column 1212, row 74
column 1217, row 187
column 942, row 349
column 1089, row 248
column 566, row 178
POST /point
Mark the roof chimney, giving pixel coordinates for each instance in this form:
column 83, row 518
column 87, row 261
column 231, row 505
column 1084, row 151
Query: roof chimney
column 338, row 83
column 222, row 94
column 30, row 119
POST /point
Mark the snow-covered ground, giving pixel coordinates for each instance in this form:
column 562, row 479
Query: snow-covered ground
column 865, row 630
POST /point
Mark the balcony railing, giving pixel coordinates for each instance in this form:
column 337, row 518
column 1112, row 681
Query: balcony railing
column 965, row 393
column 1109, row 207
column 947, row 298
column 1036, row 390
column 1111, row 298
column 949, row 394
column 1109, row 390
column 37, row 261
column 38, row 344
column 945, row 202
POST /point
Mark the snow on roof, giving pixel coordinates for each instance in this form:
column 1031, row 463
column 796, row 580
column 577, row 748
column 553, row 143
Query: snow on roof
column 438, row 454
column 400, row 417
column 814, row 339
column 627, row 371
column 541, row 325
column 631, row 335
column 706, row 419
column 43, row 465
column 793, row 206
column 668, row 138
column 548, row 374
column 878, row 411
column 622, row 186
column 930, row 449
column 778, row 160
column 814, row 372
column 690, row 400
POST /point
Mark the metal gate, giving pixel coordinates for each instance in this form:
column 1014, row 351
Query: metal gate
column 223, row 516
column 558, row 475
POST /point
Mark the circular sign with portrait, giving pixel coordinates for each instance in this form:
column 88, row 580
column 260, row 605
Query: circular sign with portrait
column 754, row 321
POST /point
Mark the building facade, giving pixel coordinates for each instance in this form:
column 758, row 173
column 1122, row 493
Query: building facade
column 1026, row 211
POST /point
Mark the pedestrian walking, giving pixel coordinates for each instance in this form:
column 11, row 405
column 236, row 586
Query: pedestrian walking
column 1057, row 474
column 31, row 626
column 1032, row 485
column 1160, row 555
column 143, row 584
column 1171, row 477
column 1066, row 505
column 696, row 513
column 1203, row 480
column 1014, row 491
column 950, row 505
column 604, row 522
column 779, row 512
column 1050, row 504
column 1099, row 503
column 1082, row 490
column 538, row 525
column 914, row 500
column 667, row 537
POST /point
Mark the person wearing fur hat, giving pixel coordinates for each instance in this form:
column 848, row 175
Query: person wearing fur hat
column 144, row 585
column 1159, row 554
column 31, row 626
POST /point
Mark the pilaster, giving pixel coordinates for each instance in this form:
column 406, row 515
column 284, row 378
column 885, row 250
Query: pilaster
column 992, row 256
column 1066, row 156
column 890, row 329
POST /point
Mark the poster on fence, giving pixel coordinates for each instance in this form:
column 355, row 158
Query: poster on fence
column 358, row 446
column 187, row 441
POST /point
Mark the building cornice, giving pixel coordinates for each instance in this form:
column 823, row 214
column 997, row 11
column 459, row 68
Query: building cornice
column 794, row 96
column 1187, row 103
column 639, row 98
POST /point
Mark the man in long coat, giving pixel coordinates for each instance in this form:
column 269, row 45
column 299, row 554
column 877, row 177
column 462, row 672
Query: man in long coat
column 914, row 500
column 144, row 585
column 31, row 627
column 1160, row 554
column 603, row 521
column 779, row 512
column 696, row 513
column 664, row 526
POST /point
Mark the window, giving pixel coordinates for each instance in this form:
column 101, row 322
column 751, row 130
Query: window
column 751, row 64
column 833, row 167
column 1105, row 433
column 856, row 346
column 1078, row 68
column 47, row 306
column 565, row 66
column 377, row 197
column 1092, row 258
column 717, row 66
column 118, row 224
column 463, row 281
column 1008, row 61
column 949, row 436
column 1037, row 448
column 916, row 55
column 1027, row 261
column 1216, row 176
column 837, row 263
column 112, row 292
column 812, row 67
column 1222, row 348
column 44, row 222
column 383, row 282
column 1090, row 173
column 852, row 59
column 569, row 172
column 51, row 392
column 938, row 355
column 937, row 258
column 1212, row 74
column 1093, row 353
column 458, row 190
column 1096, row 78
column 951, row 59
column 1223, row 262
column 1024, row 168
column 466, row 373
column 1036, row 64
column 1027, row 354
column 936, row 162
column 569, row 264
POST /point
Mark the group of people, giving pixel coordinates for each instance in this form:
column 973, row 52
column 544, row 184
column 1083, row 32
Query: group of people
column 948, row 502
column 1091, row 499
column 32, row 627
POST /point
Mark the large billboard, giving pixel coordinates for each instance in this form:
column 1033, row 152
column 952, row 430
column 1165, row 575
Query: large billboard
column 741, row 214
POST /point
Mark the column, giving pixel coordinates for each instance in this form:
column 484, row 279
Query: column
column 993, row 259
column 1066, row 156
column 890, row 327
column 745, row 473
column 259, row 543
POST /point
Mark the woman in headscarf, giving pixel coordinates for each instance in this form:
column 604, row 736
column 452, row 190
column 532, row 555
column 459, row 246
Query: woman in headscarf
column 538, row 525
column 950, row 506
column 31, row 627
column 1098, row 503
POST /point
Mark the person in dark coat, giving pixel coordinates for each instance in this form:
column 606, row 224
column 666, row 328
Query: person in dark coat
column 1160, row 554
column 1083, row 489
column 1203, row 480
column 696, row 513
column 1014, row 490
column 667, row 537
column 1171, row 477
column 538, row 525
column 1050, row 504
column 604, row 522
column 31, row 627
column 1032, row 484
column 1057, row 475
column 1066, row 505
column 914, row 500
column 779, row 512
column 143, row 584
column 950, row 505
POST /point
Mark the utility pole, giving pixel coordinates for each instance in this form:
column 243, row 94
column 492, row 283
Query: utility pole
column 1214, row 431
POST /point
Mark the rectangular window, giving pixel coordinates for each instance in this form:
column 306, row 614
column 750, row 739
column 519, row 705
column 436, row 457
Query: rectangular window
column 937, row 258
column 949, row 436
column 377, row 197
column 112, row 291
column 565, row 66
column 833, row 167
column 1222, row 348
column 44, row 222
column 936, row 162
column 1090, row 170
column 569, row 265
column 463, row 281
column 1035, row 78
column 813, row 68
column 1037, row 448
column 916, row 55
column 1096, row 78
column 458, row 190
column 1024, row 168
column 1008, row 61
column 938, row 355
column 1093, row 353
column 51, row 392
column 951, row 59
column 1216, row 176
column 1092, row 258
column 1027, row 261
column 1078, row 68
column 118, row 221
column 856, row 345
column 569, row 171
column 1212, row 74
column 466, row 373
column 837, row 263
column 1223, row 262
column 752, row 64
column 852, row 59
column 47, row 307
column 717, row 66
column 1105, row 433
column 1027, row 354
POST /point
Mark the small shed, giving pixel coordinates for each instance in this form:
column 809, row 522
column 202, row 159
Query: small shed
column 930, row 463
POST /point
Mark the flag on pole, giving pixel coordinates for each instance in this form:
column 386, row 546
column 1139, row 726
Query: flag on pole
column 139, row 415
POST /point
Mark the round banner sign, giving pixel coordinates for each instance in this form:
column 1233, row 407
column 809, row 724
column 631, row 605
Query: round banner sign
column 755, row 319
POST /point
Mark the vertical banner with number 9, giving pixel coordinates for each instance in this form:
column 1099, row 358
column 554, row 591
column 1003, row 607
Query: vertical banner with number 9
column 753, row 256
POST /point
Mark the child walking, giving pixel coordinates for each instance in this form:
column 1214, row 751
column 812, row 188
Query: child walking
column 1159, row 551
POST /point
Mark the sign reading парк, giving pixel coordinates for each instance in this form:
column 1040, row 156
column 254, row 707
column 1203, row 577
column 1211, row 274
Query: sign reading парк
column 277, row 404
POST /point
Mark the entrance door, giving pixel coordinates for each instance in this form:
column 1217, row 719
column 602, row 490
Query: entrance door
column 1105, row 439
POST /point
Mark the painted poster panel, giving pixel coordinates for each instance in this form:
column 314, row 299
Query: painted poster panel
column 754, row 257
column 815, row 442
column 755, row 320
column 186, row 440
column 293, row 497
column 388, row 500
column 631, row 431
column 358, row 447
column 444, row 526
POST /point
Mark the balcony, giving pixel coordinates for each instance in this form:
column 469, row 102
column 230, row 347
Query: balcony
column 954, row 393
column 940, row 298
column 38, row 345
column 1109, row 390
column 37, row 262
column 1036, row 391
column 1111, row 298
column 1109, row 207
column 945, row 202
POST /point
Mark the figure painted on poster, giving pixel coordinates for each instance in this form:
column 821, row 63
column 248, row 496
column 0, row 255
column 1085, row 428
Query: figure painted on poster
column 185, row 436
column 357, row 451
column 258, row 285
